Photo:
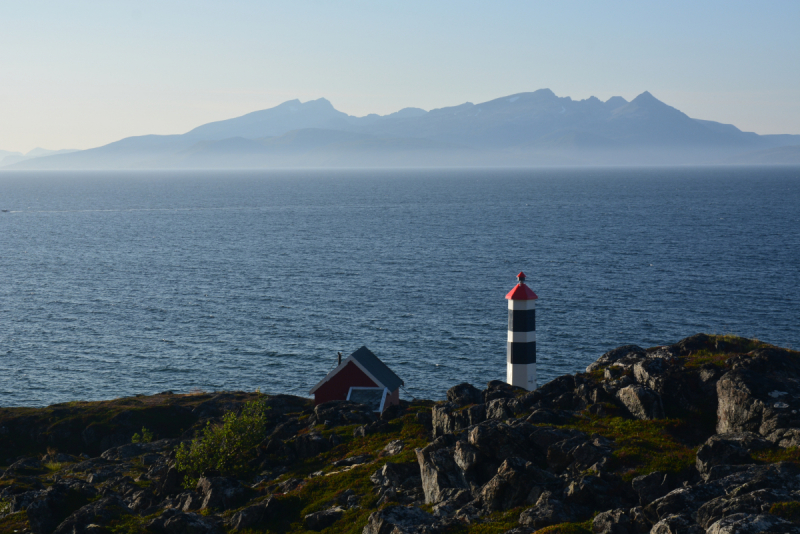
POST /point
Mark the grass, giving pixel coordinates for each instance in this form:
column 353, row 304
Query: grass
column 567, row 528
column 17, row 522
column 771, row 456
column 641, row 447
column 787, row 510
column 722, row 348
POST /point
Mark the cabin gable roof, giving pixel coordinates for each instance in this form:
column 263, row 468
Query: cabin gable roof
column 376, row 370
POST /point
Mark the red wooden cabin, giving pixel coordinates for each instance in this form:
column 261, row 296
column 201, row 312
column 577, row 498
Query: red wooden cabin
column 361, row 377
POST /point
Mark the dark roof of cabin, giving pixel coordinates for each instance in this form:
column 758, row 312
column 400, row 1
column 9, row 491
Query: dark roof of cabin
column 377, row 368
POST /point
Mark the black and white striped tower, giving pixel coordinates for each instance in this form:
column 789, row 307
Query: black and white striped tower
column 521, row 351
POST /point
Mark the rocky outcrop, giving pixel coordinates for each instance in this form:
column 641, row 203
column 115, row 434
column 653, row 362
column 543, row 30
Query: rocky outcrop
column 574, row 450
column 399, row 520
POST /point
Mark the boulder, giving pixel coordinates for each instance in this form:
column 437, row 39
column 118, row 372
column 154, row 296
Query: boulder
column 449, row 418
column 547, row 511
column 222, row 493
column 464, row 394
column 729, row 449
column 438, row 471
column 173, row 521
column 394, row 447
column 395, row 477
column 623, row 354
column 502, row 408
column 749, row 503
column 641, row 402
column 676, row 524
column 612, row 522
column 517, row 482
column 167, row 481
column 339, row 412
column 452, row 503
column 100, row 512
column 758, row 393
column 651, row 486
column 56, row 503
column 497, row 389
column 398, row 520
column 752, row 524
column 323, row 519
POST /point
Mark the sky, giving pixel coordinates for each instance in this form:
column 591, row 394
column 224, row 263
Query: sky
column 82, row 74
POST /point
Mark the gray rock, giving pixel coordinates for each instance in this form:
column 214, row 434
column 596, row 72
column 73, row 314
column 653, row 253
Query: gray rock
column 676, row 524
column 222, row 493
column 464, row 394
column 398, row 520
column 56, row 503
column 641, row 402
column 651, row 486
column 752, row 524
column 323, row 519
column 612, row 522
column 255, row 514
column 620, row 354
column 451, row 504
column 448, row 418
column 516, row 483
column 394, row 447
column 729, row 449
column 501, row 409
column 173, row 521
column 547, row 511
column 755, row 502
column 100, row 512
column 353, row 460
column 438, row 471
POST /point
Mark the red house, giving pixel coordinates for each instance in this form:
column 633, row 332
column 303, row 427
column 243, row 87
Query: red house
column 363, row 378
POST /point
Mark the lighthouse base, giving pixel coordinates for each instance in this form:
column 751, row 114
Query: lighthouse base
column 522, row 375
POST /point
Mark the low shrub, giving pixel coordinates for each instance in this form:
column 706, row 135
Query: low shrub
column 226, row 448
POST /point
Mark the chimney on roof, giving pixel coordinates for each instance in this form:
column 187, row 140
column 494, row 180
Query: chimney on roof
column 340, row 359
column 521, row 345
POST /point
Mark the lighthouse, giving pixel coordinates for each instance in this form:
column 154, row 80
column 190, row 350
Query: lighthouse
column 521, row 350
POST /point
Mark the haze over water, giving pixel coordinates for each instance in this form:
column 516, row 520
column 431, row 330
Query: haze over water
column 122, row 283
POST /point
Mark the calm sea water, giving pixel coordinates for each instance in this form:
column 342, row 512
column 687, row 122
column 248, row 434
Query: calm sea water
column 114, row 284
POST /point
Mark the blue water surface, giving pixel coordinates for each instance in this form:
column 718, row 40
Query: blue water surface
column 118, row 283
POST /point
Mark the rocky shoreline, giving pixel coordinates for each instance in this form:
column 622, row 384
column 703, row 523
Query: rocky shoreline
column 698, row 437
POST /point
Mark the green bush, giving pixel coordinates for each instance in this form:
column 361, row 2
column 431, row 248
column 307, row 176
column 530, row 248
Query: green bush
column 226, row 448
column 145, row 437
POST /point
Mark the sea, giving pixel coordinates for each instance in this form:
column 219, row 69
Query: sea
column 114, row 284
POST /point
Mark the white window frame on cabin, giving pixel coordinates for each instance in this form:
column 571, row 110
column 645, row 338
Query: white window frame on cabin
column 383, row 397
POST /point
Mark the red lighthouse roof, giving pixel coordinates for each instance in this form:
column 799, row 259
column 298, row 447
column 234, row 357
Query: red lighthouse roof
column 521, row 291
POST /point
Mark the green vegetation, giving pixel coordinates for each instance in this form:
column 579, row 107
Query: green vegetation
column 17, row 522
column 721, row 349
column 145, row 437
column 226, row 448
column 567, row 528
column 640, row 446
column 494, row 523
column 769, row 456
column 789, row 510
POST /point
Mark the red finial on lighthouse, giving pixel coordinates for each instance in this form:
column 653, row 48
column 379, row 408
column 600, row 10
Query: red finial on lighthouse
column 521, row 291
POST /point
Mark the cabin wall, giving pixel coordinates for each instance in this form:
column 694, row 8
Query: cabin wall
column 337, row 387
column 392, row 399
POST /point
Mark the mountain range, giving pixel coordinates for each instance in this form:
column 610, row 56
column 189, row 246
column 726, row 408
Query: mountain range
column 525, row 129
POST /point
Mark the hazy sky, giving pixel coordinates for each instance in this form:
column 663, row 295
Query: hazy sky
column 82, row 74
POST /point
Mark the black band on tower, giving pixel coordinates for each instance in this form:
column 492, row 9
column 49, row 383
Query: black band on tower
column 522, row 320
column 524, row 353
